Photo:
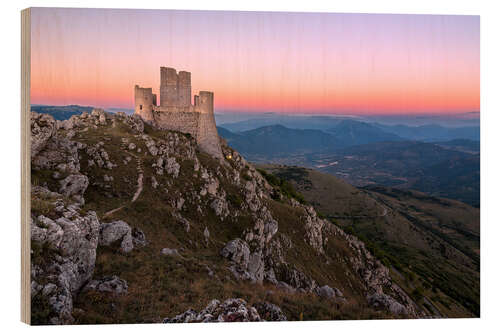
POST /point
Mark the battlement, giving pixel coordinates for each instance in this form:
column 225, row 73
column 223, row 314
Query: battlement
column 176, row 112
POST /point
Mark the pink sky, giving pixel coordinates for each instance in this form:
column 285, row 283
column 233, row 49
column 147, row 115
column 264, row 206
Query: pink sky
column 258, row 61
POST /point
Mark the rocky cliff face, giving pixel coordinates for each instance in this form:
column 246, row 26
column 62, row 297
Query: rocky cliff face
column 109, row 188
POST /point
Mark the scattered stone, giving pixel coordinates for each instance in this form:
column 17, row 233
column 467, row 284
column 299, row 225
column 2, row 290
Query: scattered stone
column 184, row 222
column 116, row 231
column 180, row 203
column 172, row 167
column 379, row 300
column 154, row 182
column 138, row 238
column 109, row 284
column 206, row 234
column 269, row 311
column 237, row 251
column 102, row 119
column 285, row 287
column 325, row 292
column 212, row 187
column 169, row 252
column 220, row 207
column 74, row 186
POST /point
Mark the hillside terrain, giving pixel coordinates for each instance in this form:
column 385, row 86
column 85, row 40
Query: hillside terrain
column 431, row 244
column 131, row 224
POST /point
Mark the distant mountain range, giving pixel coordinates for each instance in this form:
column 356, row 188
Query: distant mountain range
column 279, row 140
column 294, row 122
column 61, row 112
column 363, row 154
column 345, row 127
column 351, row 132
column 66, row 111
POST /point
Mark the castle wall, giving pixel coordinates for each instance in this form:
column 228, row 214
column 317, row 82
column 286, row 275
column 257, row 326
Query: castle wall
column 144, row 102
column 176, row 120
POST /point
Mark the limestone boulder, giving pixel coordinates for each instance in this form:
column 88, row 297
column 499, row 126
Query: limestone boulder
column 43, row 127
column 59, row 154
column 135, row 122
column 328, row 292
column 231, row 310
column 63, row 254
column 269, row 311
column 380, row 300
column 294, row 277
column 116, row 232
column 220, row 207
column 74, row 187
column 169, row 252
column 109, row 284
column 138, row 238
column 238, row 252
column 120, row 233
column 172, row 167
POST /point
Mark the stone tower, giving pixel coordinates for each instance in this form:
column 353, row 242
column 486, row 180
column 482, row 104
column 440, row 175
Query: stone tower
column 184, row 88
column 175, row 89
column 145, row 101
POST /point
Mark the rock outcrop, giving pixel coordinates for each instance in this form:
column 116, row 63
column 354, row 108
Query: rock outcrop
column 64, row 253
column 120, row 232
column 43, row 127
column 231, row 310
column 109, row 284
column 269, row 311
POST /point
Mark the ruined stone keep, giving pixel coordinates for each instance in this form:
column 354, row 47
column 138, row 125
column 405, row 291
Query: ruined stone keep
column 176, row 112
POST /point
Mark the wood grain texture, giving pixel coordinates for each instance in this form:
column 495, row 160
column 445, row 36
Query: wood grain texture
column 25, row 165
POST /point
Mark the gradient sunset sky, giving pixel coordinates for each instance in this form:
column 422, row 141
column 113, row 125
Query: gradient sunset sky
column 260, row 61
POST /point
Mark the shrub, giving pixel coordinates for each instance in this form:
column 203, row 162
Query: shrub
column 235, row 200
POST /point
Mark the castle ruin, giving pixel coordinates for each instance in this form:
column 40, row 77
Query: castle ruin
column 176, row 112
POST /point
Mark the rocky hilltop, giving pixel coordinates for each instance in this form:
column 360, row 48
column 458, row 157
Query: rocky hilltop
column 130, row 223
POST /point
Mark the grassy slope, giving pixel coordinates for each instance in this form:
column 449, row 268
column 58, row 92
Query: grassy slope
column 432, row 244
column 162, row 286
